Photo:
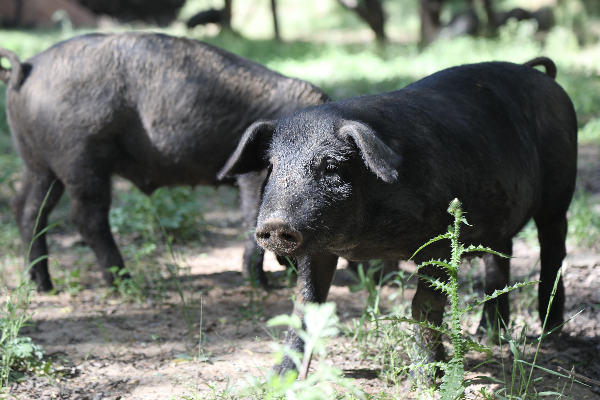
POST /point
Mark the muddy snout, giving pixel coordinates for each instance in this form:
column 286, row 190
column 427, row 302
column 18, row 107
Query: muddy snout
column 278, row 236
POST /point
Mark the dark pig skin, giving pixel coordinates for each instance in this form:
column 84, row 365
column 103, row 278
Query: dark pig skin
column 155, row 109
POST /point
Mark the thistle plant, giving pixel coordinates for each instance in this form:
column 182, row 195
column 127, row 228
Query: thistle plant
column 453, row 382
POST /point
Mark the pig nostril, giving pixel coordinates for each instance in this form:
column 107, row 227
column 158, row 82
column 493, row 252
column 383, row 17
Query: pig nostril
column 289, row 238
column 263, row 235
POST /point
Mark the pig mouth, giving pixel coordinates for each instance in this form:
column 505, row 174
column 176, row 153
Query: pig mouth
column 278, row 236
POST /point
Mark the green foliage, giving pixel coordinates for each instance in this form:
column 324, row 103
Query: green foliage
column 254, row 308
column 68, row 281
column 590, row 133
column 519, row 386
column 128, row 288
column 584, row 220
column 584, row 223
column 18, row 354
column 368, row 330
column 453, row 383
column 179, row 209
column 321, row 323
column 370, row 281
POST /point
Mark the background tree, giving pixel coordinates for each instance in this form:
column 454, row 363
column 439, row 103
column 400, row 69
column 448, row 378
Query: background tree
column 372, row 12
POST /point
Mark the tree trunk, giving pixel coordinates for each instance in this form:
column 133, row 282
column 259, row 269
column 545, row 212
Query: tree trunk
column 430, row 19
column 372, row 13
column 226, row 21
column 275, row 24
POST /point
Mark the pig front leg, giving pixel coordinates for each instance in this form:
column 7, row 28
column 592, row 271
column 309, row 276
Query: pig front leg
column 250, row 186
column 315, row 274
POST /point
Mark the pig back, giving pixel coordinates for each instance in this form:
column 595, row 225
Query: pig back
column 500, row 137
column 168, row 110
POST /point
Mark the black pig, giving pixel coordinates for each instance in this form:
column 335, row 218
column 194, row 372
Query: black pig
column 372, row 177
column 157, row 110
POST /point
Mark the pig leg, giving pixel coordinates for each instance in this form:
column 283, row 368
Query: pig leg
column 90, row 203
column 428, row 305
column 250, row 186
column 497, row 276
column 28, row 211
column 315, row 274
column 552, row 234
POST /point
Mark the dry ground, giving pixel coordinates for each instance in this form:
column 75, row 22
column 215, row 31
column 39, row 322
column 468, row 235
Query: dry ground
column 115, row 350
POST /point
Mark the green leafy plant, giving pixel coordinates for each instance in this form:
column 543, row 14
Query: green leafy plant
column 18, row 354
column 453, row 382
column 321, row 323
column 128, row 287
column 370, row 279
column 186, row 304
column 70, row 281
column 179, row 209
column 584, row 220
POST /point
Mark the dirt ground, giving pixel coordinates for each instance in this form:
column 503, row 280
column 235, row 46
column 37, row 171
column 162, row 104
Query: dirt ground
column 114, row 350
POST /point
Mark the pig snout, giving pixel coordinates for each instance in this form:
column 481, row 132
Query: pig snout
column 278, row 236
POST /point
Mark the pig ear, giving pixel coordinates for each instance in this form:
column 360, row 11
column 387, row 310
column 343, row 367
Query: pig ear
column 378, row 157
column 249, row 156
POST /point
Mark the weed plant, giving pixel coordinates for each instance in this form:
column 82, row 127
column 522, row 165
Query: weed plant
column 321, row 323
column 453, row 382
column 18, row 354
column 584, row 220
column 186, row 304
column 366, row 329
column 521, row 379
column 179, row 209
column 370, row 282
column 253, row 309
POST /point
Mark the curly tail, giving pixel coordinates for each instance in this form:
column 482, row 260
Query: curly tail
column 12, row 77
column 546, row 62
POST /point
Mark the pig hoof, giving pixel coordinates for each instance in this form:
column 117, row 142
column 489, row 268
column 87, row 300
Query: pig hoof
column 257, row 279
column 286, row 366
column 111, row 278
column 425, row 377
column 44, row 286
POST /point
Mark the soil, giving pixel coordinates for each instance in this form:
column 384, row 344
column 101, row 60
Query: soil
column 110, row 349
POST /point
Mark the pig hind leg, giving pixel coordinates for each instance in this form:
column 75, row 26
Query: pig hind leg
column 90, row 195
column 40, row 192
column 552, row 233
column 496, row 312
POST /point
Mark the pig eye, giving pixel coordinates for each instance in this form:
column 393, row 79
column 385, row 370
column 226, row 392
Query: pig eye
column 331, row 168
